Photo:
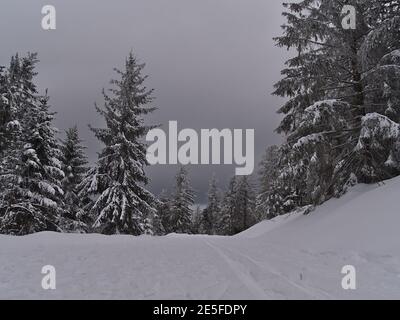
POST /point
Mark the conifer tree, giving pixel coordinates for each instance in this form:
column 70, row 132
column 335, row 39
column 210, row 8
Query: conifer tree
column 243, row 216
column 74, row 164
column 31, row 198
column 123, row 204
column 164, row 212
column 157, row 228
column 212, row 211
column 196, row 220
column 338, row 84
column 182, row 204
column 225, row 220
column 5, row 111
column 268, row 175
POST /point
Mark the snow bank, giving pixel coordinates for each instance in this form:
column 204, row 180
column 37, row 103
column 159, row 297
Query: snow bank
column 367, row 217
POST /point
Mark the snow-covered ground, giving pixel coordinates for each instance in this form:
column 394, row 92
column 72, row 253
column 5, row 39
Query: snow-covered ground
column 293, row 257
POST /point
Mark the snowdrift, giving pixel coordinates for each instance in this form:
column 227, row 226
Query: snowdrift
column 367, row 217
column 291, row 257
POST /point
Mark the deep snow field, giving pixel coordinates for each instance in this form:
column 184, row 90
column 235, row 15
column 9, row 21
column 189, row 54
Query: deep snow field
column 291, row 257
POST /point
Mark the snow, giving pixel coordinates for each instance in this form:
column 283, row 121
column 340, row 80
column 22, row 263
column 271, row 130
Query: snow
column 315, row 109
column 291, row 257
column 376, row 125
column 322, row 103
column 43, row 185
column 312, row 138
column 15, row 124
column 4, row 100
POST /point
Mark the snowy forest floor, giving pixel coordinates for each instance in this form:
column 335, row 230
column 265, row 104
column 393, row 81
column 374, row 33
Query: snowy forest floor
column 291, row 257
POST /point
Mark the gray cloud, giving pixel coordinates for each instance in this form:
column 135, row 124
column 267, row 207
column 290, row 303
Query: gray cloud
column 212, row 63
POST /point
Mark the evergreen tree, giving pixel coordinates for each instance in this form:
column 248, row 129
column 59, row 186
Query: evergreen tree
column 164, row 212
column 196, row 220
column 17, row 89
column 74, row 164
column 338, row 84
column 182, row 203
column 225, row 221
column 5, row 115
column 123, row 205
column 157, row 226
column 31, row 195
column 268, row 175
column 243, row 215
column 212, row 211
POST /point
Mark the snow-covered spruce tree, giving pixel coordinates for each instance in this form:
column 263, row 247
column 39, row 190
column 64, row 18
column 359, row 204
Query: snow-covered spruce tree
column 17, row 87
column 196, row 220
column 75, row 167
column 337, row 78
column 286, row 192
column 4, row 113
column 164, row 212
column 182, row 204
column 10, row 125
column 225, row 219
column 4, row 139
column 377, row 145
column 160, row 220
column 122, row 204
column 31, row 197
column 244, row 206
column 157, row 225
column 267, row 207
column 211, row 213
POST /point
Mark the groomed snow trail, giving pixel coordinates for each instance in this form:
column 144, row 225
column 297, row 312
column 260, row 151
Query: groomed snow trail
column 291, row 257
column 242, row 272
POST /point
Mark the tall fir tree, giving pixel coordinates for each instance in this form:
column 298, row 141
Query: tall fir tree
column 75, row 167
column 196, row 220
column 164, row 212
column 123, row 204
column 157, row 224
column 225, row 220
column 211, row 213
column 182, row 204
column 243, row 215
column 339, row 86
column 31, row 198
column 267, row 207
column 5, row 111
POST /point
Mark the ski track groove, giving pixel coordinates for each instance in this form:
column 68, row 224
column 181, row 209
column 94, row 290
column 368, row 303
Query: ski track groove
column 265, row 267
column 246, row 279
column 262, row 265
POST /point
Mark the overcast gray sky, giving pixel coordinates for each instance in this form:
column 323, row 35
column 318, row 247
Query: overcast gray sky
column 212, row 64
